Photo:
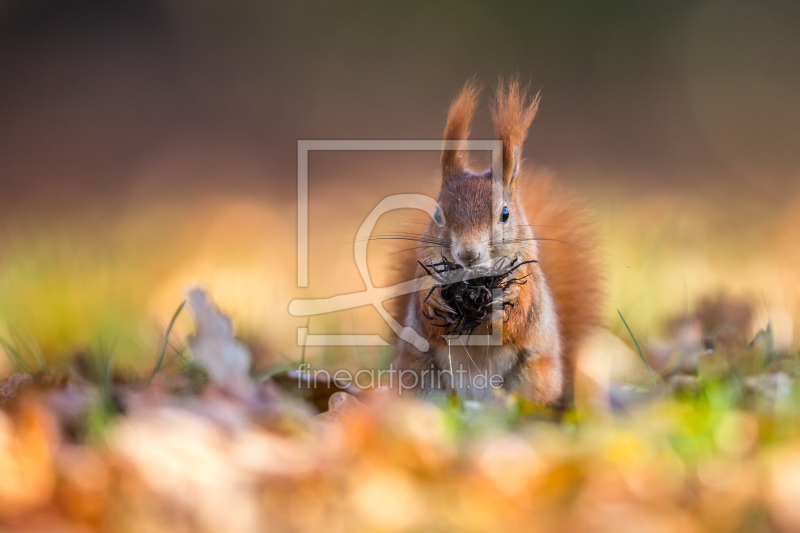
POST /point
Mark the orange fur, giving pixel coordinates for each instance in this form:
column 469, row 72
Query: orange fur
column 569, row 262
column 512, row 116
column 459, row 120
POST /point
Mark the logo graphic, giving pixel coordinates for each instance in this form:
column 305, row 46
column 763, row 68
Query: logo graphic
column 374, row 296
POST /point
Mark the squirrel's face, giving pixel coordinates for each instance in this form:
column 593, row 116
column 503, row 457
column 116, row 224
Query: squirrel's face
column 479, row 226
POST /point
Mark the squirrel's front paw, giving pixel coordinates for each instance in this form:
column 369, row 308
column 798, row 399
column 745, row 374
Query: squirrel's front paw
column 434, row 309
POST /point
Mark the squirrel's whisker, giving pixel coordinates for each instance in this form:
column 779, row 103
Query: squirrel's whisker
column 515, row 241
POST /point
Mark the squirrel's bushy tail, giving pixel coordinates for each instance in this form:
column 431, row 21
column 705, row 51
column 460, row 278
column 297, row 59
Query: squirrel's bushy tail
column 568, row 257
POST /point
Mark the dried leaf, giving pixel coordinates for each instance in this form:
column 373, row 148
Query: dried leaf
column 214, row 348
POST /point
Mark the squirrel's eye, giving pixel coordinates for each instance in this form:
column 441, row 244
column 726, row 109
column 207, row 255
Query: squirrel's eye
column 438, row 217
column 504, row 215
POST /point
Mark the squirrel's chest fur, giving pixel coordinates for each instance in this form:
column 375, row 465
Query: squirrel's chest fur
column 478, row 370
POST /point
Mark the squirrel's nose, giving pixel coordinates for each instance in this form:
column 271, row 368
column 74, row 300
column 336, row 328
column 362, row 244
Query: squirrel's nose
column 467, row 256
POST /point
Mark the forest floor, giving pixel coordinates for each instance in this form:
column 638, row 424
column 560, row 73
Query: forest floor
column 708, row 441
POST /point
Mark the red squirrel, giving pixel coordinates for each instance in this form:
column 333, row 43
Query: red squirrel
column 557, row 307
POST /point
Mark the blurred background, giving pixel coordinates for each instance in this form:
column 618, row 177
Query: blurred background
column 149, row 145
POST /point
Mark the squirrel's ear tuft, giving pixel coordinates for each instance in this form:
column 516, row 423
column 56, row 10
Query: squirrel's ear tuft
column 459, row 119
column 512, row 115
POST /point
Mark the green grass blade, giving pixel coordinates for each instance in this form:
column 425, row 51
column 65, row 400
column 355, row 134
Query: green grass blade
column 40, row 361
column 638, row 348
column 166, row 343
column 16, row 359
column 18, row 341
column 107, row 374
